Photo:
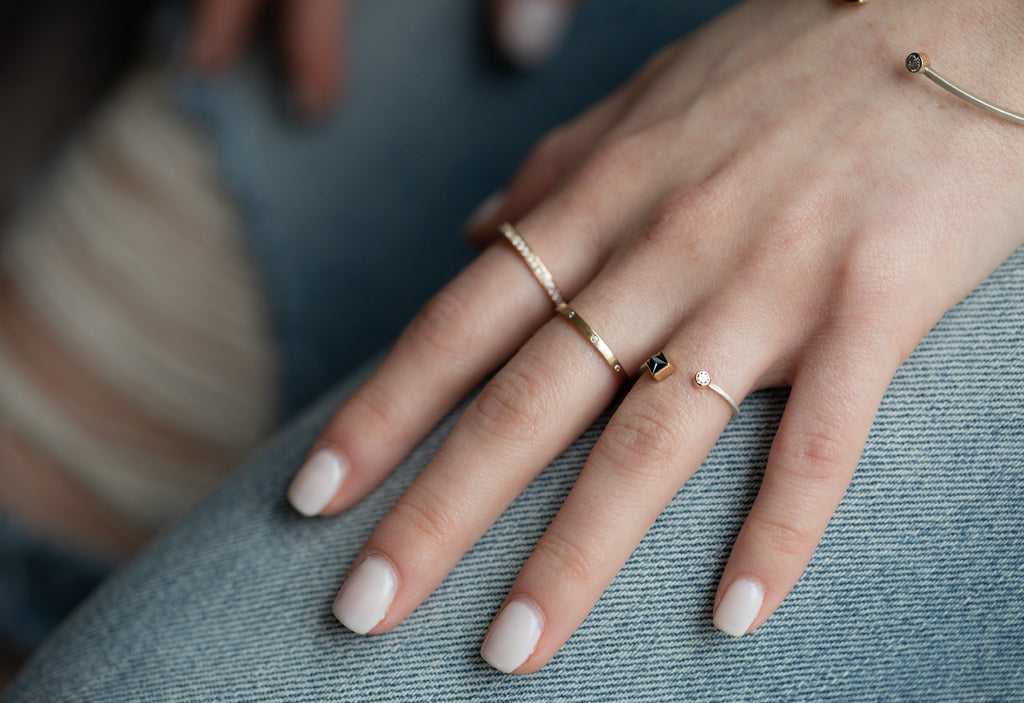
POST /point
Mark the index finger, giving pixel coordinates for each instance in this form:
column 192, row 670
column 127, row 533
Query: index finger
column 476, row 322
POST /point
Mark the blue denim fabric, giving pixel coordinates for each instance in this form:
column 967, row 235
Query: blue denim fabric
column 916, row 592
column 356, row 222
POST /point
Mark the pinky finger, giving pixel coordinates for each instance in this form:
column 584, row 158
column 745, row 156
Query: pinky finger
column 822, row 434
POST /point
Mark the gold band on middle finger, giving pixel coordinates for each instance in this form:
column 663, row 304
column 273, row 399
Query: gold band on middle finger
column 595, row 339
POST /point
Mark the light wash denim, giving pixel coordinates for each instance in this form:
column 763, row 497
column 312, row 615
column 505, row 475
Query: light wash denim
column 916, row 592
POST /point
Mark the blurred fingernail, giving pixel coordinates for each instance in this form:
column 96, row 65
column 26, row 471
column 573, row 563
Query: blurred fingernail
column 317, row 482
column 485, row 211
column 513, row 636
column 364, row 599
column 529, row 31
column 739, row 607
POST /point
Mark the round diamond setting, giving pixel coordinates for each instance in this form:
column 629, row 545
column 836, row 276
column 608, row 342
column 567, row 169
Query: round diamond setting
column 703, row 378
column 915, row 63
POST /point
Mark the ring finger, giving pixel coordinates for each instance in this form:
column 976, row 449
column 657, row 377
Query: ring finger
column 528, row 413
column 652, row 445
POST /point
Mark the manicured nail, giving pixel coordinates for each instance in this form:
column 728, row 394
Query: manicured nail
column 317, row 482
column 529, row 31
column 366, row 595
column 485, row 211
column 739, row 607
column 513, row 636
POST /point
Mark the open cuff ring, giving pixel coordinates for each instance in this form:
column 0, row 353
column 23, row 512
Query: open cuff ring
column 661, row 368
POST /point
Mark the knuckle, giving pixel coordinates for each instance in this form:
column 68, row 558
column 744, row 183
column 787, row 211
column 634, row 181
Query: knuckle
column 793, row 236
column 554, row 150
column 566, row 560
column 625, row 154
column 446, row 326
column 375, row 407
column 675, row 224
column 781, row 538
column 428, row 518
column 643, row 443
column 816, row 454
column 671, row 220
column 514, row 406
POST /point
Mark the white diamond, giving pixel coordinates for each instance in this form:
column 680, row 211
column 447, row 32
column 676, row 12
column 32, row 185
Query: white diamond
column 703, row 378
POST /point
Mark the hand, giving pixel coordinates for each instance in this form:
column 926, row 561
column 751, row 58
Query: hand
column 527, row 33
column 775, row 200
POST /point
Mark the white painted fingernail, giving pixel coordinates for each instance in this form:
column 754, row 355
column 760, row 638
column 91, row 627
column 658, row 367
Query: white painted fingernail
column 366, row 595
column 513, row 636
column 739, row 607
column 317, row 482
column 529, row 31
column 486, row 210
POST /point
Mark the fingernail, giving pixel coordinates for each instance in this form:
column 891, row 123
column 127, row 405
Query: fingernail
column 317, row 482
column 739, row 607
column 529, row 31
column 366, row 595
column 513, row 636
column 485, row 211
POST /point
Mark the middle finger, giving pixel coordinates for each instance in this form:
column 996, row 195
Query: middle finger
column 544, row 398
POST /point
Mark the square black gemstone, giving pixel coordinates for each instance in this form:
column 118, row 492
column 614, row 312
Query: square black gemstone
column 657, row 362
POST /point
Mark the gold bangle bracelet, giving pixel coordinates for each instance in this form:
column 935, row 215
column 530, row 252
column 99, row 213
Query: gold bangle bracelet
column 595, row 339
column 918, row 62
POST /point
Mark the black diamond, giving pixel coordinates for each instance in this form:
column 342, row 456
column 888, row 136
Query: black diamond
column 656, row 363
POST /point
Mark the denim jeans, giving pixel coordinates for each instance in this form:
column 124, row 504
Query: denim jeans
column 916, row 592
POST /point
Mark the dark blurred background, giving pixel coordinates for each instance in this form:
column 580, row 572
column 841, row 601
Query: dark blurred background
column 57, row 59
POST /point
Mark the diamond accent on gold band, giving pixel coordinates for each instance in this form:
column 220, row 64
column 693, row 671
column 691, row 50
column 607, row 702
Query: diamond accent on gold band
column 595, row 339
column 540, row 271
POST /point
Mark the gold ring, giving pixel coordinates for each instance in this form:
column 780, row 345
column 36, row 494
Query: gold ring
column 661, row 368
column 595, row 339
column 547, row 281
column 540, row 271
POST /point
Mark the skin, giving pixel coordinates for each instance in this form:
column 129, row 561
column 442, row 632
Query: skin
column 773, row 199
